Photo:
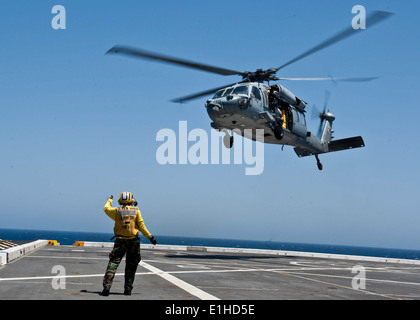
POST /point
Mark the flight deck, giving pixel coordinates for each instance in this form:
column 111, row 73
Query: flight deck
column 55, row 272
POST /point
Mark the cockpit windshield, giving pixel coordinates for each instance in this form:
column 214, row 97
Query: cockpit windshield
column 225, row 92
column 241, row 90
column 218, row 94
column 222, row 93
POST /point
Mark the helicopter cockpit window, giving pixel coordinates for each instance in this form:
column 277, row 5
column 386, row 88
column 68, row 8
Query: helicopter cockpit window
column 241, row 90
column 227, row 92
column 256, row 93
column 218, row 94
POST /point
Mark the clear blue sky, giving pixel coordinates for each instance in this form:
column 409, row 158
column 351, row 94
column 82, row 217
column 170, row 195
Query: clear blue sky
column 77, row 125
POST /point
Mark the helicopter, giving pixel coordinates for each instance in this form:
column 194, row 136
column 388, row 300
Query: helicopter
column 253, row 103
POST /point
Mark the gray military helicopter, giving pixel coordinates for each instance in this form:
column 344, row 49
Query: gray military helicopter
column 253, row 104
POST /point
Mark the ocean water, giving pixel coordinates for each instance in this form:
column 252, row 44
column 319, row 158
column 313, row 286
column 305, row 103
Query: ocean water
column 68, row 238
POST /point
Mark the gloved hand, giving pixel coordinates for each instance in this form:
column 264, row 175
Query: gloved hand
column 111, row 197
column 153, row 240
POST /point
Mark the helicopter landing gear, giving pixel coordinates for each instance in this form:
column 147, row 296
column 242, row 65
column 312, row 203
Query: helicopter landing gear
column 277, row 128
column 278, row 132
column 228, row 140
column 318, row 163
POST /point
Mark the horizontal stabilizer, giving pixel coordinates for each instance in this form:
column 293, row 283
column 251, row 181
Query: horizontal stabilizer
column 345, row 144
column 335, row 145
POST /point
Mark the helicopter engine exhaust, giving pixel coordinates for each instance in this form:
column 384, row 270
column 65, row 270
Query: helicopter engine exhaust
column 291, row 98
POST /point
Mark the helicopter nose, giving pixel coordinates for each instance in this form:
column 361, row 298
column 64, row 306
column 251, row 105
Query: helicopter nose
column 213, row 108
column 232, row 104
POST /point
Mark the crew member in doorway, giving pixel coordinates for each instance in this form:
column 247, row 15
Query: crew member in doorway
column 128, row 223
column 274, row 103
column 273, row 98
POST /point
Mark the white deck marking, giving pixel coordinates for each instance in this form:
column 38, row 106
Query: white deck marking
column 179, row 283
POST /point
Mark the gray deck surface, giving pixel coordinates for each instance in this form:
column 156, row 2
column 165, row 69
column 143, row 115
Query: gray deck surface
column 180, row 275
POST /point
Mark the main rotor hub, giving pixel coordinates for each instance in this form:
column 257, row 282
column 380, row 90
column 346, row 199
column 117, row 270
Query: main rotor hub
column 260, row 75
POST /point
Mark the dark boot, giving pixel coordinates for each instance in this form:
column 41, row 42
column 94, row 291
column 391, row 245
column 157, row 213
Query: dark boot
column 105, row 292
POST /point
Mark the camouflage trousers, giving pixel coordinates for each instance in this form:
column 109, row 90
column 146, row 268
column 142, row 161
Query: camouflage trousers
column 130, row 248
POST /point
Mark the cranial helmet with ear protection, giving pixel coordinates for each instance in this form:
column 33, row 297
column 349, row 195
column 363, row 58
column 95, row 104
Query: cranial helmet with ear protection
column 126, row 198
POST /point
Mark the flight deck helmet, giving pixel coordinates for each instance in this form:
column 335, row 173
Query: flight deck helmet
column 126, row 198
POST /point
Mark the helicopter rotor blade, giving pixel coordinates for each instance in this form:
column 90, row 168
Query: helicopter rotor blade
column 138, row 53
column 327, row 96
column 374, row 18
column 331, row 79
column 201, row 94
column 320, row 128
column 321, row 115
column 315, row 112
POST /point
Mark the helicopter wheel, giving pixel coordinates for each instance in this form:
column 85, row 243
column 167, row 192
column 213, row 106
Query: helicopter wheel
column 278, row 132
column 318, row 163
column 228, row 141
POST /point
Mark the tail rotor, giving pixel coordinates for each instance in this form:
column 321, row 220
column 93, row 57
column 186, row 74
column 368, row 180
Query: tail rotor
column 321, row 115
